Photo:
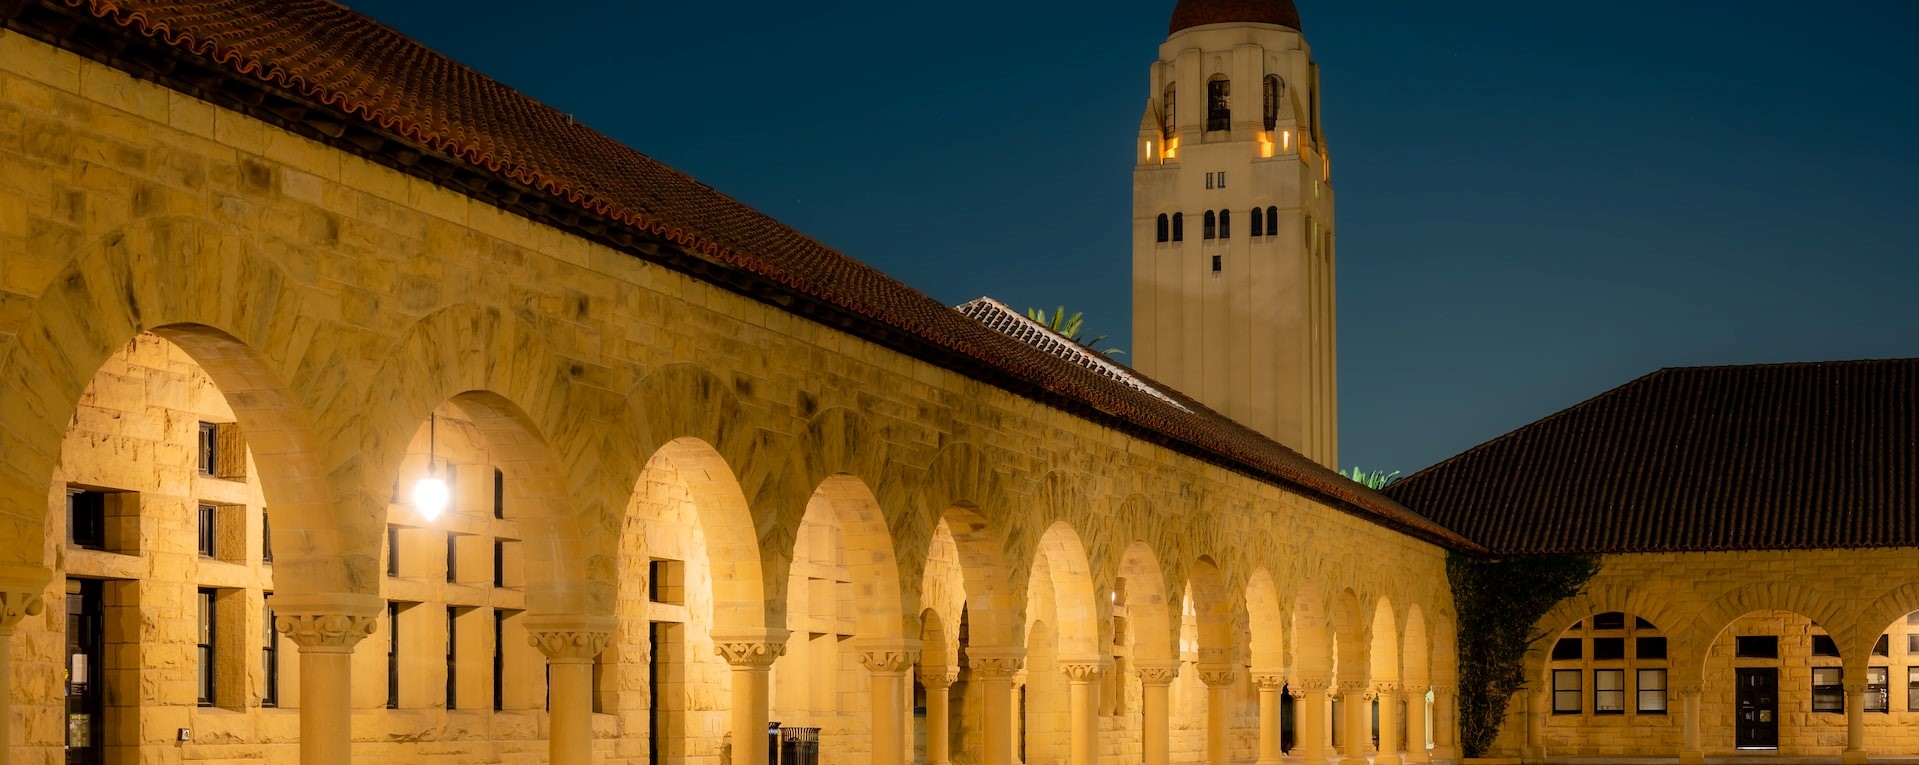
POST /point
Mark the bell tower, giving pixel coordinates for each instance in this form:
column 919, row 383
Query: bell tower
column 1233, row 224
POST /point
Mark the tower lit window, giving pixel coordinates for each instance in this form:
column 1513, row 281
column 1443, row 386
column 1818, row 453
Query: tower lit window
column 1219, row 103
column 1273, row 89
column 1168, row 116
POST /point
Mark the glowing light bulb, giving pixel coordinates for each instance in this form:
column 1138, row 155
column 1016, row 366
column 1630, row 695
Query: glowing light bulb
column 429, row 496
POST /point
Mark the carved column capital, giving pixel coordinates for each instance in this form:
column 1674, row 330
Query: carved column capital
column 751, row 649
column 326, row 622
column 16, row 605
column 1854, row 687
column 1312, row 684
column 1215, row 675
column 1417, row 691
column 1158, row 674
column 1690, row 691
column 1385, row 689
column 1269, row 681
column 1445, row 691
column 569, row 645
column 1080, row 671
column 938, row 678
column 1001, row 663
column 1354, row 687
column 888, row 661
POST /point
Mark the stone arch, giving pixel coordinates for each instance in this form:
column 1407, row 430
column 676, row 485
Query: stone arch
column 963, row 494
column 939, row 649
column 880, row 611
column 1718, row 615
column 1268, row 644
column 1351, row 637
column 1214, row 609
column 1312, row 633
column 842, row 460
column 741, row 599
column 1383, row 650
column 1076, row 612
column 1602, row 599
column 1415, row 653
column 150, row 276
column 1153, row 629
column 1877, row 616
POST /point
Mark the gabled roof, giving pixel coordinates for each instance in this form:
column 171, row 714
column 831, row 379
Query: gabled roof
column 322, row 71
column 1782, row 456
column 999, row 317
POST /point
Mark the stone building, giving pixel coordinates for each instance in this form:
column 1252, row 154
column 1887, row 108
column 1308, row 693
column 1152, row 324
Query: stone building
column 266, row 265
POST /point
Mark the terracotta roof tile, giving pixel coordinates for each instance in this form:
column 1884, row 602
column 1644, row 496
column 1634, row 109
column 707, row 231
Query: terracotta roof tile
column 1785, row 456
column 324, row 54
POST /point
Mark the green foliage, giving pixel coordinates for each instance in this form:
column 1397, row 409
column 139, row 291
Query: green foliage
column 1499, row 601
column 1371, row 479
column 1069, row 326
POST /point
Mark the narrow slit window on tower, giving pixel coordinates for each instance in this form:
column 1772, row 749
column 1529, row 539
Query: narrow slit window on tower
column 269, row 655
column 499, row 493
column 1219, row 103
column 392, row 655
column 1179, row 227
column 1225, row 224
column 1272, row 90
column 1209, row 181
column 1165, row 229
column 1211, row 226
column 1216, row 264
column 1258, row 229
column 1222, row 179
column 1272, row 221
column 1169, row 115
column 207, row 637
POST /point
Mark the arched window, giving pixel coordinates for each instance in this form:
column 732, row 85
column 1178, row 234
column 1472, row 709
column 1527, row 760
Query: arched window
column 1164, row 229
column 1219, row 103
column 1274, row 89
column 1272, row 221
column 1258, row 230
column 1179, row 227
column 1225, row 224
column 1211, row 223
column 1169, row 114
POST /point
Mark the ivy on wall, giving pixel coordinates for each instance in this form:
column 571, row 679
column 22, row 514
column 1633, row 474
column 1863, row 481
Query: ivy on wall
column 1499, row 600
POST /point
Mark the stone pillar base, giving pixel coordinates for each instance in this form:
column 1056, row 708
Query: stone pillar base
column 1853, row 757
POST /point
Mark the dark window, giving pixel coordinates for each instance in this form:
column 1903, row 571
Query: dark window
column 1165, row 228
column 1878, row 689
column 1209, row 181
column 207, row 635
column 499, row 563
column 1609, row 648
column 452, row 558
column 1912, row 646
column 1912, row 689
column 666, row 581
column 1179, row 227
column 1650, row 648
column 1272, row 221
column 1609, row 691
column 392, row 655
column 499, row 660
column 1225, row 224
column 1219, row 104
column 1222, row 179
column 1756, row 647
column 1169, row 116
column 266, row 536
column 1216, row 264
column 1883, row 647
column 452, row 654
column 1270, row 93
column 1823, row 645
column 209, row 449
column 392, row 550
column 1258, row 220
column 209, row 541
column 499, row 476
column 1567, row 649
column 1611, row 620
column 1652, row 691
column 1643, row 624
column 87, row 519
column 452, row 476
column 1828, row 690
column 270, row 657
column 1211, row 230
column 1566, row 692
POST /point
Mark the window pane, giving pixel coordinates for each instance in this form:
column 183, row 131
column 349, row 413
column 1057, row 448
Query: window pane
column 1609, row 648
column 1823, row 645
column 1652, row 690
column 1878, row 697
column 1756, row 646
column 1650, row 648
column 1912, row 689
column 1566, row 648
column 1882, row 648
column 1611, row 620
column 1566, row 691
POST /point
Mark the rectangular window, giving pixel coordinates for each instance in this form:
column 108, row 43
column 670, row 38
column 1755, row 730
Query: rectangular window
column 1650, row 648
column 1216, row 264
column 1642, row 624
column 1878, row 689
column 1912, row 646
column 392, row 550
column 1912, row 619
column 452, row 558
column 1652, row 691
column 667, row 581
column 1568, row 649
column 1828, row 691
column 499, row 659
column 1823, row 645
column 87, row 519
column 207, row 635
column 266, row 537
column 452, row 656
column 1611, row 620
column 1609, row 648
column 392, row 655
column 1609, row 691
column 1566, row 692
column 209, row 538
column 499, row 493
column 1222, row 179
column 209, row 449
column 1912, row 689
column 270, row 656
column 1209, row 180
column 1883, row 647
column 1756, row 646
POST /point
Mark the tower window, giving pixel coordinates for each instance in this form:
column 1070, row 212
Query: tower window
column 1216, row 264
column 1164, row 229
column 1258, row 230
column 1272, row 221
column 1225, row 224
column 1272, row 90
column 1209, row 181
column 1222, row 179
column 1179, row 227
column 205, row 646
column 1219, row 103
column 1169, row 116
column 1211, row 227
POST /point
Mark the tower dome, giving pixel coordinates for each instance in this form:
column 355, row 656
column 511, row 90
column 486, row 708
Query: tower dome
column 1192, row 13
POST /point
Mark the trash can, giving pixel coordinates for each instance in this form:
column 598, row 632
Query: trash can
column 800, row 746
column 773, row 743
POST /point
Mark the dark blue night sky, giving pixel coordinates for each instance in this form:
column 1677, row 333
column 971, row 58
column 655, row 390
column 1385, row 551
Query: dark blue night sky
column 1537, row 200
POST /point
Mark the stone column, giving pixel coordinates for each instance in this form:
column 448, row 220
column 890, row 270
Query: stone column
column 751, row 655
column 1353, row 698
column 1219, row 685
column 1416, row 725
column 1310, row 728
column 326, row 628
column 1018, row 732
column 1156, row 719
column 994, row 669
column 1083, row 675
column 1270, row 684
column 938, row 681
column 570, row 643
column 1855, row 753
column 892, row 692
column 1538, row 702
column 1689, row 751
column 1388, row 725
column 20, row 597
column 1446, row 722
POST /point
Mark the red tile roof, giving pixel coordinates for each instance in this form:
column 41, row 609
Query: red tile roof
column 1001, row 318
column 1784, row 456
column 1193, row 13
column 324, row 71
